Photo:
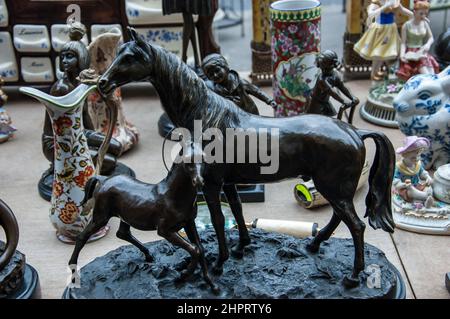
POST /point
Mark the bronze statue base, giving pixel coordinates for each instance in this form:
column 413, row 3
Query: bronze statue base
column 45, row 184
column 274, row 266
column 18, row 280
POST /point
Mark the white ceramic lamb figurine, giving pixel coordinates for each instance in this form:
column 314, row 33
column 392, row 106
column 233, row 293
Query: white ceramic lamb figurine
column 423, row 109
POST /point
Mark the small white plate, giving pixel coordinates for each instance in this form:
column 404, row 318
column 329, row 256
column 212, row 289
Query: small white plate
column 4, row 18
column 60, row 36
column 170, row 38
column 37, row 69
column 31, row 38
column 8, row 63
column 148, row 12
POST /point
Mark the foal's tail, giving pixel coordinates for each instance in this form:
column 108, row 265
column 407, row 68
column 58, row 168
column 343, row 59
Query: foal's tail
column 90, row 187
column 378, row 200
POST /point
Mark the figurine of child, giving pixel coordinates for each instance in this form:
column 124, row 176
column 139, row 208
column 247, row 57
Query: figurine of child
column 381, row 42
column 227, row 83
column 417, row 40
column 319, row 103
column 6, row 128
column 411, row 180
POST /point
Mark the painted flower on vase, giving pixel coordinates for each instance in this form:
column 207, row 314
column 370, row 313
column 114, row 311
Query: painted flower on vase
column 62, row 124
column 83, row 176
column 69, row 213
column 58, row 189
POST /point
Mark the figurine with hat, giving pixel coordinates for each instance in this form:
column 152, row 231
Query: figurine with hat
column 417, row 201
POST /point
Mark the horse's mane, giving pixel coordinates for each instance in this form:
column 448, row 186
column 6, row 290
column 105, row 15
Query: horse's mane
column 184, row 92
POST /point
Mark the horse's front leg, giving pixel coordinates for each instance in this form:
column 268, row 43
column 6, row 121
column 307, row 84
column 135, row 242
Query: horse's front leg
column 192, row 233
column 175, row 239
column 236, row 207
column 212, row 197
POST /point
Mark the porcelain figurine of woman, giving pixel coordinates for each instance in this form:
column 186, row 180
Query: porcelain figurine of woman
column 381, row 41
column 328, row 80
column 411, row 181
column 102, row 52
column 417, row 40
column 227, row 83
column 6, row 128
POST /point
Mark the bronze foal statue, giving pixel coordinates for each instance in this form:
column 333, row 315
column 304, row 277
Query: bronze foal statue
column 166, row 207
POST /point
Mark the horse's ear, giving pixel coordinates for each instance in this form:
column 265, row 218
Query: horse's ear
column 132, row 33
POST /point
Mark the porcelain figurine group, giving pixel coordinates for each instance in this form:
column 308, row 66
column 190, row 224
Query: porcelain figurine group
column 381, row 43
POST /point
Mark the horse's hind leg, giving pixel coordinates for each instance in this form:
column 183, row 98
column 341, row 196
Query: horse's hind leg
column 346, row 211
column 177, row 240
column 192, row 233
column 236, row 207
column 124, row 233
column 324, row 233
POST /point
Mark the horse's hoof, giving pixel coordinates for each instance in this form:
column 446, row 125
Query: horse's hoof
column 350, row 282
column 183, row 276
column 312, row 248
column 215, row 290
column 237, row 251
column 217, row 270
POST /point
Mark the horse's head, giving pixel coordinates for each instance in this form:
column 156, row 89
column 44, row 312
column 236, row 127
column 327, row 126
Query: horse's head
column 132, row 64
column 193, row 163
column 423, row 95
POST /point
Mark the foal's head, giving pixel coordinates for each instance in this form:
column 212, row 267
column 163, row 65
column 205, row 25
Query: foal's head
column 192, row 162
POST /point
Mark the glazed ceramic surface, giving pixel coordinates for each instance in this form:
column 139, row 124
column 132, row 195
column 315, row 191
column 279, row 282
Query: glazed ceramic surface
column 98, row 29
column 60, row 36
column 170, row 38
column 102, row 52
column 31, row 38
column 8, row 64
column 148, row 11
column 423, row 109
column 4, row 17
column 73, row 163
column 37, row 69
column 441, row 183
column 295, row 31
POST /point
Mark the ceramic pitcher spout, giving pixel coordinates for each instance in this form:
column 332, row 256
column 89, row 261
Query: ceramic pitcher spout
column 66, row 102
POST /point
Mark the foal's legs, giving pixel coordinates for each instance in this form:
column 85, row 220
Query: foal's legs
column 124, row 233
column 191, row 232
column 177, row 240
column 212, row 196
column 236, row 207
column 93, row 227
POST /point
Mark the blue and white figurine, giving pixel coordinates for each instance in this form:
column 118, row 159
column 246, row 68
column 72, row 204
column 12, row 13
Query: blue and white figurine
column 423, row 109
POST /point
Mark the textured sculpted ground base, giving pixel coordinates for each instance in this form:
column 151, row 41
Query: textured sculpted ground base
column 274, row 266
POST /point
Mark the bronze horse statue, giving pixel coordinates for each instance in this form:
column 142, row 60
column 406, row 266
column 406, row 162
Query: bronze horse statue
column 166, row 207
column 329, row 151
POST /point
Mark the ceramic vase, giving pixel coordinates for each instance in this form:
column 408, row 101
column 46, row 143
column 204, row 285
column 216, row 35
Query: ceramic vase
column 73, row 163
column 295, row 30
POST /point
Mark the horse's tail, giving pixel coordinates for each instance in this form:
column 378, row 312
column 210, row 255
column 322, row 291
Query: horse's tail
column 90, row 187
column 378, row 200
